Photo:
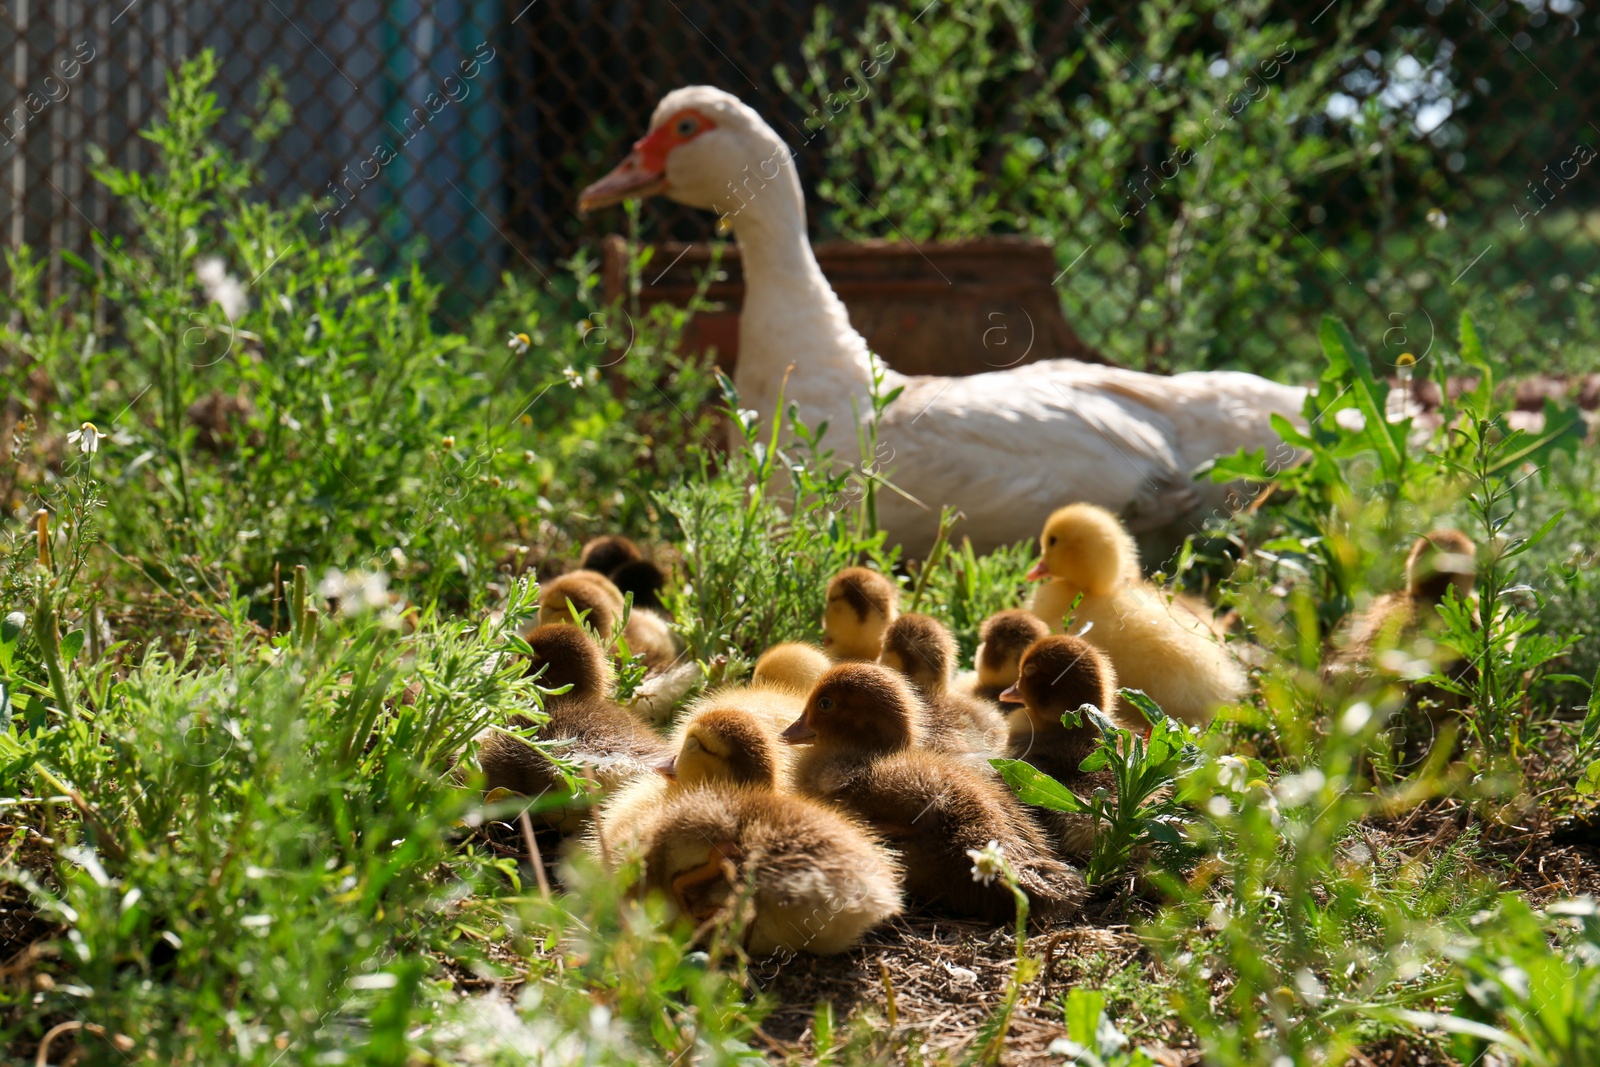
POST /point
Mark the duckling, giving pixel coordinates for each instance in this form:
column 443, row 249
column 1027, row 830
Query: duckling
column 619, row 559
column 791, row 665
column 1164, row 650
column 1002, row 639
column 607, row 552
column 817, row 880
column 932, row 808
column 1438, row 561
column 716, row 743
column 921, row 648
column 589, row 591
column 1058, row 674
column 601, row 738
column 861, row 605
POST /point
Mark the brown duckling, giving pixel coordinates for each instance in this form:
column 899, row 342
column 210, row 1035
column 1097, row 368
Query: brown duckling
column 619, row 559
column 607, row 552
column 791, row 665
column 1163, row 649
column 819, row 881
column 602, row 739
column 1438, row 561
column 1002, row 639
column 930, row 807
column 861, row 605
column 920, row 648
column 594, row 594
column 1058, row 674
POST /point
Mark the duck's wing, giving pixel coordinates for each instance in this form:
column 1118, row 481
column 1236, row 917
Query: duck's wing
column 1008, row 447
column 1214, row 413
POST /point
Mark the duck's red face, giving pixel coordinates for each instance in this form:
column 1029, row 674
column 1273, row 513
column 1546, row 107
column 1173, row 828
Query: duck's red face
column 644, row 172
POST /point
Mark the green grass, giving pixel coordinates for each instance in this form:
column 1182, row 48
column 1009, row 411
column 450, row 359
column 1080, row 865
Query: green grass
column 240, row 826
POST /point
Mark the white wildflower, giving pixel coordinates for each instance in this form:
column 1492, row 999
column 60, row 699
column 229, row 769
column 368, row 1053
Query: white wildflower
column 1438, row 219
column 1295, row 789
column 87, row 438
column 1356, row 717
column 519, row 343
column 988, row 862
column 574, row 378
column 1233, row 773
column 355, row 591
column 222, row 288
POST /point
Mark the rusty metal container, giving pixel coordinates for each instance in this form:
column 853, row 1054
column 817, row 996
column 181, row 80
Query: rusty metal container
column 947, row 309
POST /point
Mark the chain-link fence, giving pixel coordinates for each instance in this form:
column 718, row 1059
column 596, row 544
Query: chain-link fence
column 461, row 130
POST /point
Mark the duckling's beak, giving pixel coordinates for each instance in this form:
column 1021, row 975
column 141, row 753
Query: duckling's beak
column 799, row 732
column 633, row 178
column 668, row 768
column 1038, row 572
column 1011, row 696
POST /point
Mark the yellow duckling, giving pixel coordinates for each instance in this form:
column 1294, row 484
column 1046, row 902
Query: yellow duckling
column 861, row 605
column 1164, row 650
column 1058, row 674
column 589, row 591
column 1002, row 639
column 792, row 665
column 932, row 808
column 603, row 740
column 716, row 743
column 817, row 881
column 922, row 649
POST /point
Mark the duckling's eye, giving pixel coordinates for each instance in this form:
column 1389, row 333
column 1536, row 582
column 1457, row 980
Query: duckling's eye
column 691, row 744
column 1052, row 540
column 1030, row 669
column 824, row 703
column 686, row 126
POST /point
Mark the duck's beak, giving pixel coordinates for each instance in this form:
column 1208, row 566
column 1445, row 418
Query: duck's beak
column 1038, row 572
column 633, row 178
column 799, row 732
column 1011, row 696
column 668, row 768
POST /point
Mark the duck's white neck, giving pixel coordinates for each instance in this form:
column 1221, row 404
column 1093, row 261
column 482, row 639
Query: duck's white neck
column 791, row 315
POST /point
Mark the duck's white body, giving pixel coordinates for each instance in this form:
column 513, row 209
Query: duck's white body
column 1005, row 447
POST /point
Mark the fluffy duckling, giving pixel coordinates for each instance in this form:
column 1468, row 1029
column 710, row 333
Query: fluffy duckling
column 1438, row 561
column 817, row 880
column 592, row 592
column 1164, row 650
column 1058, row 674
column 602, row 739
column 922, row 649
column 619, row 559
column 861, row 605
column 717, row 743
column 607, row 552
column 931, row 808
column 792, row 665
column 1002, row 639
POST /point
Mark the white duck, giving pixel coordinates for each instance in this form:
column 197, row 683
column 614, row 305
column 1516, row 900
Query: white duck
column 1006, row 447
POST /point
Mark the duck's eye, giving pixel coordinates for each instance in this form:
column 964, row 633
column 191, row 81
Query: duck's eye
column 1030, row 669
column 691, row 744
column 824, row 703
column 1052, row 541
column 687, row 126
